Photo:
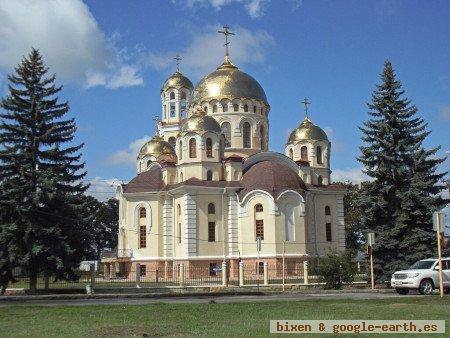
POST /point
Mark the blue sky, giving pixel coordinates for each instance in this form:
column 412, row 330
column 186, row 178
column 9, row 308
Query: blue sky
column 112, row 57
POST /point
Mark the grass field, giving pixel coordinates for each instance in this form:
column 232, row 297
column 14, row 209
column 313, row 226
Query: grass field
column 207, row 320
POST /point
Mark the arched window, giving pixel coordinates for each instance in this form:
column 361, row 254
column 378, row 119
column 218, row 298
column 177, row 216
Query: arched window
column 172, row 96
column 246, row 135
column 209, row 175
column 246, row 108
column 192, row 148
column 148, row 163
column 180, row 150
column 262, row 136
column 259, row 208
column 319, row 180
column 183, row 95
column 215, row 108
column 226, row 131
column 327, row 210
column 172, row 141
column 142, row 213
column 224, row 106
column 254, row 109
column 304, row 153
column 209, row 147
column 181, row 177
column 291, row 153
column 289, row 223
column 211, row 209
column 319, row 154
column 235, row 107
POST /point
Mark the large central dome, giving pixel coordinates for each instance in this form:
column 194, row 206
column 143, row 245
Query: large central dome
column 228, row 82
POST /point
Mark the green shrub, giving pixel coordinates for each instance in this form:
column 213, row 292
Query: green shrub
column 335, row 269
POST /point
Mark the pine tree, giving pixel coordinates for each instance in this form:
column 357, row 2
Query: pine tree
column 40, row 177
column 399, row 201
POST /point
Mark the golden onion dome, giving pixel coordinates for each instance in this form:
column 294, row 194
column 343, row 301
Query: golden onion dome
column 178, row 81
column 157, row 148
column 200, row 122
column 228, row 82
column 307, row 131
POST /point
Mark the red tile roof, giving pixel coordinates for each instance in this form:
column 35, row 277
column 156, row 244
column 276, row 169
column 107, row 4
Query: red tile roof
column 146, row 181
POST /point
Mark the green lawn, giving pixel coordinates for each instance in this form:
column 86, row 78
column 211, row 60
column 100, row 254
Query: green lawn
column 238, row 319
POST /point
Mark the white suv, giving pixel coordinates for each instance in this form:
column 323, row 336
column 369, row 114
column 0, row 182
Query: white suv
column 423, row 276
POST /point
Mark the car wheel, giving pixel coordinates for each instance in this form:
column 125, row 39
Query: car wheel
column 426, row 287
column 402, row 291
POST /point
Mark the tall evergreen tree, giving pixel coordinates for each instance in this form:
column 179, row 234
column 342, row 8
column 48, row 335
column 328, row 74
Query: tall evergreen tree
column 399, row 202
column 40, row 177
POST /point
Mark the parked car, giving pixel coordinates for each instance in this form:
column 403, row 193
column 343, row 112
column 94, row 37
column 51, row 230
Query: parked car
column 423, row 276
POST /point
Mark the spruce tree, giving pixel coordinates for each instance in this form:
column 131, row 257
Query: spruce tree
column 399, row 201
column 40, row 177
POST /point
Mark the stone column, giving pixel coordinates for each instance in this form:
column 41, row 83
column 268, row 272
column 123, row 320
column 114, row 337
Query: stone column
column 266, row 273
column 106, row 271
column 241, row 274
column 305, row 272
column 182, row 275
column 233, row 248
column 138, row 275
column 168, row 211
column 190, row 233
column 224, row 273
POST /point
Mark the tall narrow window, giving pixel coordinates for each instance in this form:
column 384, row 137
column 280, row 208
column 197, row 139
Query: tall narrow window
column 172, row 141
column 142, row 236
column 289, row 223
column 215, row 108
column 224, row 106
column 262, row 137
column 254, row 109
column 291, row 153
column 179, row 223
column 319, row 154
column 181, row 177
column 211, row 231
column 143, row 270
column 142, row 213
column 211, row 209
column 328, row 231
column 226, row 131
column 259, row 225
column 235, row 107
column 180, row 150
column 327, row 210
column 172, row 109
column 246, row 108
column 304, row 153
column 183, row 95
column 259, row 208
column 209, row 175
column 192, row 148
column 320, row 180
column 209, row 147
column 172, row 96
column 148, row 163
column 246, row 135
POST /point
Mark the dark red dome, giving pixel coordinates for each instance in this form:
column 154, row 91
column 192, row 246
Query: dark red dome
column 273, row 177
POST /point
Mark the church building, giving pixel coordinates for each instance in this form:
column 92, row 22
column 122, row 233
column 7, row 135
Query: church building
column 208, row 190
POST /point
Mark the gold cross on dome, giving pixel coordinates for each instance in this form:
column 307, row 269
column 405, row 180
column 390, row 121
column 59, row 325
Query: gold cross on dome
column 306, row 103
column 226, row 32
column 177, row 59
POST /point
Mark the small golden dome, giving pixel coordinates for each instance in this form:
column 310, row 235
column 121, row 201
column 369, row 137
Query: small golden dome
column 307, row 131
column 157, row 148
column 228, row 82
column 199, row 122
column 178, row 81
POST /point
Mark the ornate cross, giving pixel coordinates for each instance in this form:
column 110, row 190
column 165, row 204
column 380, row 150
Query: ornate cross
column 177, row 58
column 306, row 103
column 226, row 32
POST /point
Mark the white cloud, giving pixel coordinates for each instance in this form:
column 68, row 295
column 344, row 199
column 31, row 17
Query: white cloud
column 70, row 39
column 354, row 175
column 445, row 112
column 103, row 189
column 254, row 8
column 246, row 47
column 128, row 157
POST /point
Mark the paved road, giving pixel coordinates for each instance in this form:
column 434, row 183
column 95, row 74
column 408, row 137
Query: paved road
column 193, row 299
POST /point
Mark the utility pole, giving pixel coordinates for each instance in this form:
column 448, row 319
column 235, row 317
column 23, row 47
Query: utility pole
column 370, row 243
